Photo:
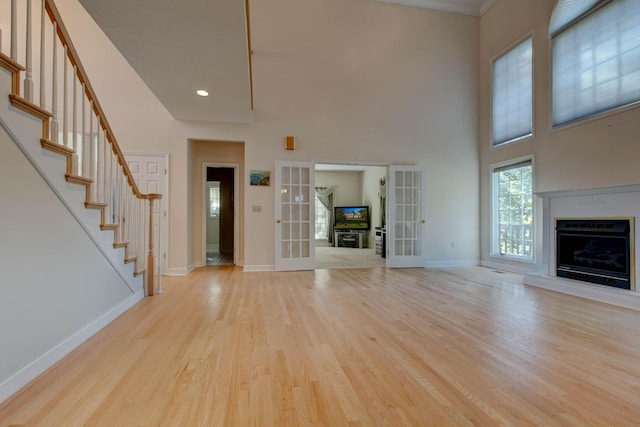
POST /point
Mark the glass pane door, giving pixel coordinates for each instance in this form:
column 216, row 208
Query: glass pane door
column 295, row 238
column 406, row 218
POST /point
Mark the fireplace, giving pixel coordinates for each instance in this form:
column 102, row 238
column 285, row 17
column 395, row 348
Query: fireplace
column 596, row 250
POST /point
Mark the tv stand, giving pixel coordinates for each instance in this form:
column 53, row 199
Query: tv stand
column 349, row 239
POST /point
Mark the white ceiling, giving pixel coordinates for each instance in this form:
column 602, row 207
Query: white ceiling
column 178, row 47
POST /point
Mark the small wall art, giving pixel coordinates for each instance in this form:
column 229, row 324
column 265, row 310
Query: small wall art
column 257, row 177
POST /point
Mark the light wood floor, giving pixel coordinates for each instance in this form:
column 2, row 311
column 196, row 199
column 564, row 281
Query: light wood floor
column 348, row 347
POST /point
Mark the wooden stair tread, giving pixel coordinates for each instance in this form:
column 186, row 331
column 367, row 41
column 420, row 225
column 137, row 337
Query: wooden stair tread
column 121, row 244
column 95, row 205
column 29, row 107
column 56, row 147
column 10, row 64
column 78, row 179
column 130, row 259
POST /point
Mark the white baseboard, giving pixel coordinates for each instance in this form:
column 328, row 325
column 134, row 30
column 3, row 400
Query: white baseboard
column 457, row 263
column 250, row 268
column 601, row 293
column 37, row 367
column 178, row 271
column 508, row 267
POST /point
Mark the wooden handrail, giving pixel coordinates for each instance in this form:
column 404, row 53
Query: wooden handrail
column 73, row 56
column 114, row 190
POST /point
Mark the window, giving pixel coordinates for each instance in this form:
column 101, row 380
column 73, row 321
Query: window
column 214, row 199
column 322, row 220
column 513, row 210
column 512, row 100
column 596, row 58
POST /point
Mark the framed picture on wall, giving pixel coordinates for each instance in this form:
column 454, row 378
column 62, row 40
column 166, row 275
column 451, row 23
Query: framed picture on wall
column 258, row 177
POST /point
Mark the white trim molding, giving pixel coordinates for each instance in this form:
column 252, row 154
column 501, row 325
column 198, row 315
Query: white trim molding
column 51, row 357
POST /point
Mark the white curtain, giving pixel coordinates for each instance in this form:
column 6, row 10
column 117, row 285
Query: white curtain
column 325, row 195
column 382, row 194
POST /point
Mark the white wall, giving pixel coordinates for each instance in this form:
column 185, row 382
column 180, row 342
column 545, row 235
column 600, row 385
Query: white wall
column 353, row 81
column 56, row 285
column 348, row 183
column 369, row 82
column 596, row 153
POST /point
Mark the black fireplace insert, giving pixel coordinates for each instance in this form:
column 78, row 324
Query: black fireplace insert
column 595, row 250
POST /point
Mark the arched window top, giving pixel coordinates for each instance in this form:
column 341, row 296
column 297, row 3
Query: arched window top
column 566, row 12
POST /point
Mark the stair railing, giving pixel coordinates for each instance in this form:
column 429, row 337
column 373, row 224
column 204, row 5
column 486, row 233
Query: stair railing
column 75, row 125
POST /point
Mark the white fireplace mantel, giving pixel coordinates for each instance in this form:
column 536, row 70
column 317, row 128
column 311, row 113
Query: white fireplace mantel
column 622, row 201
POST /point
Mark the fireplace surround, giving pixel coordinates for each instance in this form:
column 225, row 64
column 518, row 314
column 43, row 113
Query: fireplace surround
column 613, row 202
column 596, row 250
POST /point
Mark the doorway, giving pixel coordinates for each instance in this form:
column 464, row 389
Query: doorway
column 220, row 217
column 339, row 185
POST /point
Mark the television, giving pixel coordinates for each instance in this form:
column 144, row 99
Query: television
column 351, row 218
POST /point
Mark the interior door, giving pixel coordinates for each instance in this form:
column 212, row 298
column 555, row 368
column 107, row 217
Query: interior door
column 150, row 172
column 295, row 216
column 405, row 225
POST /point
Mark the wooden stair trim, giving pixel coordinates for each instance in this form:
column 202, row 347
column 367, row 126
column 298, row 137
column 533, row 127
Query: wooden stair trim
column 29, row 107
column 10, row 64
column 63, row 150
column 14, row 68
column 130, row 259
column 47, row 144
column 121, row 244
column 108, row 227
column 75, row 179
column 95, row 205
column 139, row 272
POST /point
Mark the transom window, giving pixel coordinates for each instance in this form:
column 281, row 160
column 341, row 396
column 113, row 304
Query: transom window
column 512, row 99
column 596, row 58
column 513, row 210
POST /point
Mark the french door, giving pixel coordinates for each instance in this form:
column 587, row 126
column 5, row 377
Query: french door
column 405, row 224
column 295, row 216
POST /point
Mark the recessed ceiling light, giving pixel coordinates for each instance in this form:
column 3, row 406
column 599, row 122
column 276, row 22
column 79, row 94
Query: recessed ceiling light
column 202, row 92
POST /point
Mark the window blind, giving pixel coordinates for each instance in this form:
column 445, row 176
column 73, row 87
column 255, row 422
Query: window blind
column 596, row 63
column 512, row 102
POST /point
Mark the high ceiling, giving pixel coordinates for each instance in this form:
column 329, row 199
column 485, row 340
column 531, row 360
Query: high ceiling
column 178, row 47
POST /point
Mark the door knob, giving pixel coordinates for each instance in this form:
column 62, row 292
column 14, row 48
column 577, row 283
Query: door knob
column 277, row 221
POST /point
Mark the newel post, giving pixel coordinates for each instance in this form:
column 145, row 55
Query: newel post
column 151, row 257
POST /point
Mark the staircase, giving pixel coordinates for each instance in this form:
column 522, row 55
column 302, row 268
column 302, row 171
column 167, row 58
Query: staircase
column 54, row 115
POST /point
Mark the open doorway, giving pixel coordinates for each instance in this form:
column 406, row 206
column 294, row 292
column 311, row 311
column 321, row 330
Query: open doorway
column 220, row 223
column 342, row 185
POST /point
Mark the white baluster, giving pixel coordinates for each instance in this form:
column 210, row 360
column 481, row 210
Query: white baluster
column 94, row 159
column 65, row 102
column 110, row 199
column 54, row 86
column 99, row 166
column 74, row 123
column 14, row 30
column 42, row 58
column 83, row 143
column 116, row 188
column 28, row 82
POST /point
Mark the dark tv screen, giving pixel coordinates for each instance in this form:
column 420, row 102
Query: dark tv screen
column 351, row 217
